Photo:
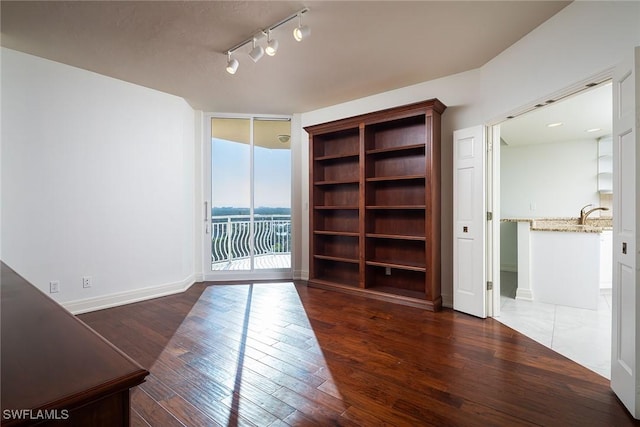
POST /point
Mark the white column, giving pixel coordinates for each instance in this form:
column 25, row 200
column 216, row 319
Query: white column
column 524, row 290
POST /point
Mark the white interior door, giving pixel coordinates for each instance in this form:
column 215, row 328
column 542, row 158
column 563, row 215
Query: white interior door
column 469, row 234
column 625, row 360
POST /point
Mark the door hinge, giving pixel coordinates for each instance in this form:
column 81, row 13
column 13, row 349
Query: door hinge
column 489, row 216
column 489, row 286
column 489, row 146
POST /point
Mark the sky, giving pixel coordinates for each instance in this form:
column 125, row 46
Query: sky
column 230, row 175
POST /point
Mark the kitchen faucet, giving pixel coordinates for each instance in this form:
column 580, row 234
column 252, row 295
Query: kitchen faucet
column 584, row 214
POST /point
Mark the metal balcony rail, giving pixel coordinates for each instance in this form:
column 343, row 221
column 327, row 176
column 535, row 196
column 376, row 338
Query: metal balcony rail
column 231, row 237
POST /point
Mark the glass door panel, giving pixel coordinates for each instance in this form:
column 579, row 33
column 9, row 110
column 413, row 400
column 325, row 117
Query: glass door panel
column 272, row 193
column 231, row 194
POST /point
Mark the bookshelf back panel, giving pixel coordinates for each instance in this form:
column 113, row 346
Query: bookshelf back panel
column 337, row 246
column 346, row 169
column 392, row 251
column 410, row 164
column 346, row 142
column 397, row 133
column 336, row 195
column 336, row 220
column 396, row 193
column 398, row 279
column 337, row 272
column 402, row 222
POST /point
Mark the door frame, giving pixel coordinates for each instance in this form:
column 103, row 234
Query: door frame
column 493, row 226
column 239, row 275
column 493, row 174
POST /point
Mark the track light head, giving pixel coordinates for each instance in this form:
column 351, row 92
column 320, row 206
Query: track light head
column 301, row 31
column 232, row 64
column 272, row 45
column 257, row 52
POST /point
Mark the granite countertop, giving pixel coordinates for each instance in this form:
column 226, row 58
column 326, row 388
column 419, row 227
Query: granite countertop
column 593, row 225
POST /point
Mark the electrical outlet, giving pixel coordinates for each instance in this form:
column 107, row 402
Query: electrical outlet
column 387, row 271
column 86, row 282
column 54, row 287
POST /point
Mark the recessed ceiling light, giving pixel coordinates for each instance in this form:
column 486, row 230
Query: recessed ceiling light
column 553, row 125
column 593, row 130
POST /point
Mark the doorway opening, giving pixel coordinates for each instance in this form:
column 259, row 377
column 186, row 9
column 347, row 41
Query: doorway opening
column 555, row 265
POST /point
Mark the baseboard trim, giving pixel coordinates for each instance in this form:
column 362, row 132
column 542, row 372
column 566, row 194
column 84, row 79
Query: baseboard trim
column 511, row 268
column 301, row 274
column 524, row 294
column 447, row 301
column 128, row 297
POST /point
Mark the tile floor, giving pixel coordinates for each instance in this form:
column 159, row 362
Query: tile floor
column 583, row 336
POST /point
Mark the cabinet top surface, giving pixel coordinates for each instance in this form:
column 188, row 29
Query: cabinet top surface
column 389, row 114
column 50, row 359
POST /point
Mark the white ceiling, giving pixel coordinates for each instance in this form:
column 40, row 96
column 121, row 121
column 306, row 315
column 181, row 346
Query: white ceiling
column 356, row 48
column 588, row 110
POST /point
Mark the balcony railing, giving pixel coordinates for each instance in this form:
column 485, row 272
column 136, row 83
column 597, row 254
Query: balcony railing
column 231, row 237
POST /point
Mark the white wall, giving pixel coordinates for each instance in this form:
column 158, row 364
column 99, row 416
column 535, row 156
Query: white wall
column 97, row 180
column 548, row 180
column 582, row 40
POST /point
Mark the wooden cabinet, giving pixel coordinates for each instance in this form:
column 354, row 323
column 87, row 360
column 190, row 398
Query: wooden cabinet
column 55, row 370
column 375, row 195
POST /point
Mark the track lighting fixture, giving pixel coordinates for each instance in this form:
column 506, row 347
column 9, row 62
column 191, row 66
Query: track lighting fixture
column 272, row 45
column 301, row 31
column 232, row 64
column 257, row 51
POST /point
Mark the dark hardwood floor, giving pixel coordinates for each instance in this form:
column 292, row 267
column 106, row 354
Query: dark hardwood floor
column 284, row 354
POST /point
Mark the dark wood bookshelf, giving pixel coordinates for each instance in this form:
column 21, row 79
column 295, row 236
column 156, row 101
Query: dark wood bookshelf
column 337, row 182
column 336, row 207
column 395, row 178
column 396, row 150
column 336, row 233
column 338, row 259
column 395, row 236
column 338, row 157
column 398, row 207
column 375, row 192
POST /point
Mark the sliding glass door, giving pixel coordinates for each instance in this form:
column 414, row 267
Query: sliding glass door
column 250, row 205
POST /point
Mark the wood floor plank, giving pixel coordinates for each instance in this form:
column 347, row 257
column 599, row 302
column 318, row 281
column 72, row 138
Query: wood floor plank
column 257, row 396
column 185, row 412
column 287, row 355
column 137, row 420
column 151, row 411
column 311, row 409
